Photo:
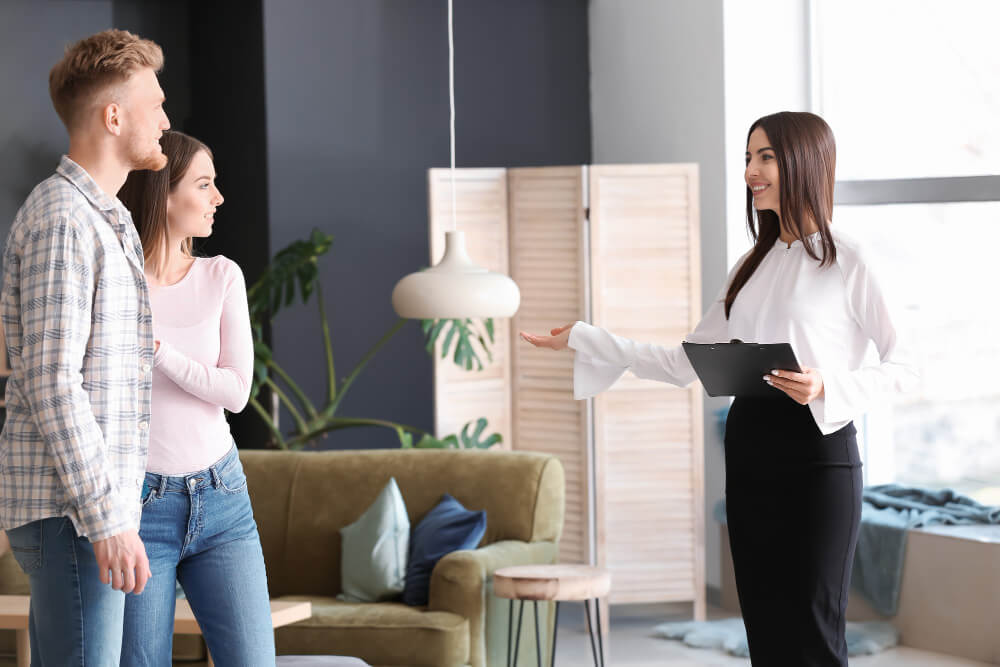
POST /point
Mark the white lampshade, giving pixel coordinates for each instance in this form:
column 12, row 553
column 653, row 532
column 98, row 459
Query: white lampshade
column 455, row 289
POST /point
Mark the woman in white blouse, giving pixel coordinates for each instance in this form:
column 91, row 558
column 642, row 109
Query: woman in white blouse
column 793, row 473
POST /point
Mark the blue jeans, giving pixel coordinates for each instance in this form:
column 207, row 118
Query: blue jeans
column 74, row 618
column 199, row 530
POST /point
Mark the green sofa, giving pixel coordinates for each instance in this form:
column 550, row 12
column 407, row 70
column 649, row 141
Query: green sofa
column 302, row 499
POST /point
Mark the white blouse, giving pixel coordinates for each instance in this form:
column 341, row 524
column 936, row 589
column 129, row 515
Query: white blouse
column 829, row 315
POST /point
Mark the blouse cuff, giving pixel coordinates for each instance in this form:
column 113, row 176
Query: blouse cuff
column 591, row 374
column 830, row 408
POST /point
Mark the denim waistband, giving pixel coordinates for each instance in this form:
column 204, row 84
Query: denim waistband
column 211, row 475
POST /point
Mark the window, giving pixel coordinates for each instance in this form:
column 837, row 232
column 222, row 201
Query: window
column 912, row 91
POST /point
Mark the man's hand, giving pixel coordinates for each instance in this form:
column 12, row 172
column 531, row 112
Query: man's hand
column 557, row 341
column 802, row 387
column 125, row 556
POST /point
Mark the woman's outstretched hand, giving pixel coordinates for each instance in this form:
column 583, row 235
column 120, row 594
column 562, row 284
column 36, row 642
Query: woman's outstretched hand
column 802, row 387
column 557, row 341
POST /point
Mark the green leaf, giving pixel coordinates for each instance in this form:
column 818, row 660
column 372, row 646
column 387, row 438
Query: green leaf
column 405, row 439
column 461, row 332
column 433, row 335
column 473, row 442
column 296, row 263
column 447, row 339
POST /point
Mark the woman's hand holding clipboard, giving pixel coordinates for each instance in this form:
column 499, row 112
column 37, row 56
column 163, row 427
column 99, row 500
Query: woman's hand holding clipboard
column 753, row 369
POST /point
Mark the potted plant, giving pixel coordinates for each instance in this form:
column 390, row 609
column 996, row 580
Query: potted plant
column 295, row 271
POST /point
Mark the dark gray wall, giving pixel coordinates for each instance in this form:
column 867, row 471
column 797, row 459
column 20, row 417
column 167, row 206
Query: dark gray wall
column 325, row 114
column 32, row 38
column 357, row 103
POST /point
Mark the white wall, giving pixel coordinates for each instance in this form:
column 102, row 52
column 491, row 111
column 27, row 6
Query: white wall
column 767, row 67
column 681, row 81
column 657, row 95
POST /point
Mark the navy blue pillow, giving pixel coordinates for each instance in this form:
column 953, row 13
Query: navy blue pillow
column 446, row 528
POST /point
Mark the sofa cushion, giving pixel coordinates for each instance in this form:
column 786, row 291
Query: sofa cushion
column 384, row 633
column 446, row 528
column 374, row 549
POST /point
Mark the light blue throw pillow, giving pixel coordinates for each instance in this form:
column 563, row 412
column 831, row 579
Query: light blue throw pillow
column 374, row 550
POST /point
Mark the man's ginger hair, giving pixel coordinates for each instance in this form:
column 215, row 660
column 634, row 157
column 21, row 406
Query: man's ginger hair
column 92, row 65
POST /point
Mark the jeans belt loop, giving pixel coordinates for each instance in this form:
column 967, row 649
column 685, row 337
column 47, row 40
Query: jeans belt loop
column 162, row 488
column 216, row 480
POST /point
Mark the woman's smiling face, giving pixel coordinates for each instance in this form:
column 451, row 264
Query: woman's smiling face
column 761, row 173
column 191, row 206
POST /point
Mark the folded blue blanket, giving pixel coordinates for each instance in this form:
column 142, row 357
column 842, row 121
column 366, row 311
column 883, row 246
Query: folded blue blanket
column 887, row 512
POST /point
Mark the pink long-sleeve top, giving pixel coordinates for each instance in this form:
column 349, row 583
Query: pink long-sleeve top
column 203, row 365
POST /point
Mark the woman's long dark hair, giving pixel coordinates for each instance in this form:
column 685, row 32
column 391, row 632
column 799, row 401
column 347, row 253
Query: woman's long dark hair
column 807, row 158
column 145, row 192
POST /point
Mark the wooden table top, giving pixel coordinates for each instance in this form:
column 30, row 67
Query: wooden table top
column 282, row 613
column 551, row 582
column 14, row 614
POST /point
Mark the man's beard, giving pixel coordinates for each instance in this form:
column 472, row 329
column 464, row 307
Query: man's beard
column 153, row 160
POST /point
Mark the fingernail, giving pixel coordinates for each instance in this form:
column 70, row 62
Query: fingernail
column 767, row 379
column 774, row 372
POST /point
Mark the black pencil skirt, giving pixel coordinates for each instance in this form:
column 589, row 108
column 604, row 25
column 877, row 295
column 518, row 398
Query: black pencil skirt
column 793, row 502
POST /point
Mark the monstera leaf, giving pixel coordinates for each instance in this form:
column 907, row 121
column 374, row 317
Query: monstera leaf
column 465, row 441
column 460, row 338
column 294, row 266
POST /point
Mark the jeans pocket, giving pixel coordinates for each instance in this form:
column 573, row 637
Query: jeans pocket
column 232, row 479
column 26, row 546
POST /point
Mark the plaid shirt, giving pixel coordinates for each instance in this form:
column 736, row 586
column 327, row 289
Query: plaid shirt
column 76, row 311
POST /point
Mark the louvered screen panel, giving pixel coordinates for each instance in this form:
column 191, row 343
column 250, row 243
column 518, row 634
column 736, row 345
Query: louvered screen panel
column 547, row 262
column 461, row 396
column 645, row 272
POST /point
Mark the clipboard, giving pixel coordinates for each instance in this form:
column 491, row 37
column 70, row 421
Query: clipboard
column 737, row 368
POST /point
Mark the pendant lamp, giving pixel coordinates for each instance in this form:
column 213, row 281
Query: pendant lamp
column 456, row 288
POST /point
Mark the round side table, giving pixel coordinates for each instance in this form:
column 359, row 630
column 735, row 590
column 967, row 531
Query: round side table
column 552, row 583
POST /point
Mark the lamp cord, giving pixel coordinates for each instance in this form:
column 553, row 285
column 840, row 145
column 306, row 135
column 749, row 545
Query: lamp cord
column 451, row 101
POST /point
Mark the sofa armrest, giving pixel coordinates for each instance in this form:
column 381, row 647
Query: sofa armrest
column 459, row 583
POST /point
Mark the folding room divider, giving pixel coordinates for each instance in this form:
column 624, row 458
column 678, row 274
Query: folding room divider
column 617, row 246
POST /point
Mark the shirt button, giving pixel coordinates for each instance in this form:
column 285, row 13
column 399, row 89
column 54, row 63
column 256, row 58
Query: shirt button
column 146, row 368
column 143, row 426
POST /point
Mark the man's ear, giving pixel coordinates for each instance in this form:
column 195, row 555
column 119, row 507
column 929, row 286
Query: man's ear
column 112, row 118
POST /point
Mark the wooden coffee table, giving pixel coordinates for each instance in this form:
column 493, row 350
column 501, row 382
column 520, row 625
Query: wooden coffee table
column 14, row 616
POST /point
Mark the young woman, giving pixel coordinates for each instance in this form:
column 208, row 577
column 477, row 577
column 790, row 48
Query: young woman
column 793, row 473
column 197, row 523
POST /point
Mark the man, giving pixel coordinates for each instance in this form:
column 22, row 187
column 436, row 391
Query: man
column 79, row 333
